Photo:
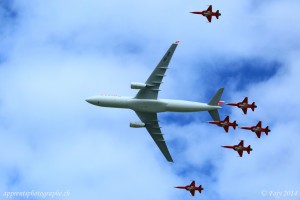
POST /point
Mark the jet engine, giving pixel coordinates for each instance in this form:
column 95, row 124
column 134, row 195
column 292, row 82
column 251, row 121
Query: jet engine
column 137, row 124
column 135, row 85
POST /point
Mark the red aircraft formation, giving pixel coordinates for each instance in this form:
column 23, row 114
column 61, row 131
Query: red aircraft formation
column 256, row 129
column 192, row 188
column 243, row 105
column 240, row 148
column 208, row 13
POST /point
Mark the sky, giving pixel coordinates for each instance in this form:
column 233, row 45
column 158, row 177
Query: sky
column 54, row 54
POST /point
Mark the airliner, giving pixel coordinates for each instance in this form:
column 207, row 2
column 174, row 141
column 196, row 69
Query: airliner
column 146, row 104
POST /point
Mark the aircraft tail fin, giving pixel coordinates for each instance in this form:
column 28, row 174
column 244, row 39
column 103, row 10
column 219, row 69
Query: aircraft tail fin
column 217, row 14
column 200, row 188
column 249, row 149
column 267, row 130
column 253, row 106
column 215, row 102
column 234, row 125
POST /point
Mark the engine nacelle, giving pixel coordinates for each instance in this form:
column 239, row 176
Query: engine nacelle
column 137, row 124
column 135, row 85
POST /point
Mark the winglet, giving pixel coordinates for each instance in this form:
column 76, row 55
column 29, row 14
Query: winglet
column 177, row 42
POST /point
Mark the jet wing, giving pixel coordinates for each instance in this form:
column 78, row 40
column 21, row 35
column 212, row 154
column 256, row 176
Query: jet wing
column 241, row 143
column 240, row 153
column 152, row 126
column 258, row 133
column 193, row 184
column 259, row 124
column 209, row 8
column 209, row 18
column 244, row 110
column 245, row 100
column 192, row 192
column 155, row 79
column 226, row 128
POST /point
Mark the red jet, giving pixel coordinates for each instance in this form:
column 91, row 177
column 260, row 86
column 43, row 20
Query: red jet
column 192, row 188
column 257, row 129
column 240, row 148
column 225, row 124
column 209, row 13
column 244, row 105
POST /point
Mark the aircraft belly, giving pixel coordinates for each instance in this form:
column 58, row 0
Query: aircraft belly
column 142, row 105
column 113, row 102
column 186, row 106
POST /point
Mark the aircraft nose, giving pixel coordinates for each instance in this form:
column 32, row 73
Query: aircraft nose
column 92, row 100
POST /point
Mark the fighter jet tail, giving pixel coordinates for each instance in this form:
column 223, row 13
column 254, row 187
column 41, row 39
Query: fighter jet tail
column 218, row 14
column 249, row 149
column 215, row 102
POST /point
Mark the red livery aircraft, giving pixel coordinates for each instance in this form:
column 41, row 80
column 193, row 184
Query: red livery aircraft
column 192, row 188
column 244, row 105
column 257, row 129
column 225, row 124
column 208, row 13
column 240, row 148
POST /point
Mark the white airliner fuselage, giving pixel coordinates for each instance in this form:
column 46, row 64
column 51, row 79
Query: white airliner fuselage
column 150, row 105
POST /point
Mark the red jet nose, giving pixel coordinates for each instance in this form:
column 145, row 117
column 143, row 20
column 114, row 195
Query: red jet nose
column 195, row 12
column 230, row 147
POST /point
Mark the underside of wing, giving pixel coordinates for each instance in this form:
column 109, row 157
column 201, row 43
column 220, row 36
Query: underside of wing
column 155, row 79
column 245, row 110
column 241, row 143
column 209, row 8
column 192, row 192
column 193, row 184
column 226, row 128
column 152, row 126
column 208, row 18
column 240, row 153
column 258, row 134
column 245, row 100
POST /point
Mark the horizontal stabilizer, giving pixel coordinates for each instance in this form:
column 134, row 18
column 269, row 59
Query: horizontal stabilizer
column 214, row 114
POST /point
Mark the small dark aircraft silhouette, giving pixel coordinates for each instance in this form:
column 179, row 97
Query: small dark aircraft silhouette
column 240, row 148
column 244, row 105
column 192, row 188
column 208, row 13
column 257, row 129
column 225, row 124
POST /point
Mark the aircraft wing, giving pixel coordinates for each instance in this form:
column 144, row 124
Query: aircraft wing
column 152, row 126
column 226, row 128
column 259, row 124
column 192, row 192
column 155, row 79
column 209, row 8
column 209, row 18
column 244, row 110
column 193, row 184
column 258, row 133
column 240, row 153
column 241, row 143
column 245, row 100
